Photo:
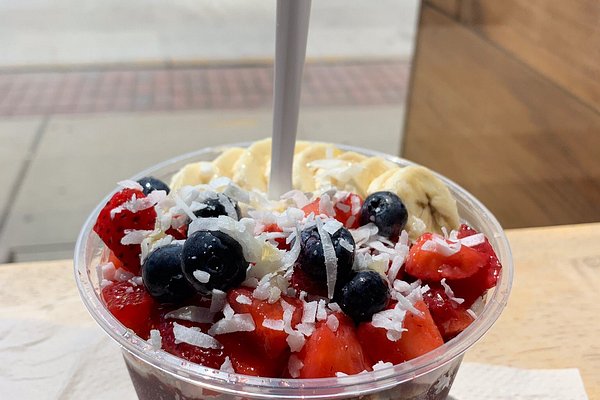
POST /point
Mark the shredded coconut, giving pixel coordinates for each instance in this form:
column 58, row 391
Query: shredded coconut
column 330, row 258
column 296, row 341
column 274, row 324
column 237, row 323
column 321, row 311
column 450, row 293
column 227, row 366
column 294, row 366
column 192, row 313
column 381, row 365
column 218, row 300
column 243, row 299
column 155, row 339
column 195, row 337
column 333, row 323
column 201, row 276
column 473, row 240
column 134, row 236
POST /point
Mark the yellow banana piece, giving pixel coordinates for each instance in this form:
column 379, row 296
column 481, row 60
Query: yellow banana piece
column 249, row 171
column 303, row 176
column 224, row 163
column 193, row 174
column 426, row 197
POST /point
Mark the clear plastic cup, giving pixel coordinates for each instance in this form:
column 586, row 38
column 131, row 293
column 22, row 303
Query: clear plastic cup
column 157, row 374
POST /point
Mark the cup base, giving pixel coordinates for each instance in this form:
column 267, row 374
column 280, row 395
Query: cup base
column 153, row 384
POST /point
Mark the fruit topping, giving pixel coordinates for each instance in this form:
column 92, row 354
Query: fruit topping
column 271, row 320
column 128, row 210
column 333, row 348
column 433, row 258
column 386, row 211
column 213, row 260
column 364, row 295
column 420, row 335
column 131, row 305
column 474, row 286
column 172, row 332
column 327, row 260
column 163, row 277
column 150, row 184
column 450, row 317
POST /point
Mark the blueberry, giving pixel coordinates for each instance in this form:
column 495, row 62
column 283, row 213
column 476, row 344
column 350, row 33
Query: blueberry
column 364, row 295
column 216, row 206
column 213, row 260
column 312, row 260
column 385, row 210
column 163, row 277
column 150, row 184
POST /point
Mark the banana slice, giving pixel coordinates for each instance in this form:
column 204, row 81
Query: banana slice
column 304, row 174
column 371, row 169
column 224, row 163
column 378, row 183
column 352, row 157
column 193, row 174
column 250, row 169
column 427, row 199
column 300, row 146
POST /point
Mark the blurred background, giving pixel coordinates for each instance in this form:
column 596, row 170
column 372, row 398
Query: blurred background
column 501, row 96
column 93, row 91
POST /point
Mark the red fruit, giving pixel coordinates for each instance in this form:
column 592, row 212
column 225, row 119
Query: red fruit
column 112, row 229
column 451, row 318
column 343, row 210
column 212, row 358
column 475, row 286
column 272, row 342
column 421, row 337
column 303, row 282
column 178, row 234
column 281, row 244
column 327, row 352
column 313, row 208
column 433, row 266
column 131, row 305
column 249, row 359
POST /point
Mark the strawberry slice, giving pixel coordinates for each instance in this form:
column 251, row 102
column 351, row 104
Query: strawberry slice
column 432, row 265
column 421, row 337
column 249, row 359
column 327, row 352
column 344, row 207
column 313, row 208
column 131, row 305
column 112, row 228
column 281, row 244
column 272, row 342
column 475, row 286
column 451, row 318
column 212, row 358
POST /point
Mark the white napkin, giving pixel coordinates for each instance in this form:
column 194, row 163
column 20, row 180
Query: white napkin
column 41, row 360
column 491, row 382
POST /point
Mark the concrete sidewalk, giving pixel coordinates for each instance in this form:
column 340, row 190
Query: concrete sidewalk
column 93, row 91
column 56, row 169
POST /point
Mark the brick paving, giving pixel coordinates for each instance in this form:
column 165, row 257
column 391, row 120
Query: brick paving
column 195, row 88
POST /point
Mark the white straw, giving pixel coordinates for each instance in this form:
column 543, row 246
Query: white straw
column 290, row 51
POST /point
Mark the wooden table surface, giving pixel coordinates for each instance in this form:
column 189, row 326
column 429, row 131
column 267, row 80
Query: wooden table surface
column 551, row 320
